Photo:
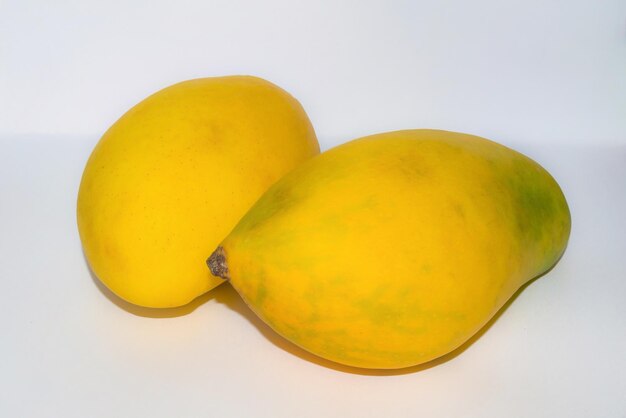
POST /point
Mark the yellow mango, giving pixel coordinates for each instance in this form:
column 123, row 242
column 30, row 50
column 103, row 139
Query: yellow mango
column 394, row 249
column 175, row 174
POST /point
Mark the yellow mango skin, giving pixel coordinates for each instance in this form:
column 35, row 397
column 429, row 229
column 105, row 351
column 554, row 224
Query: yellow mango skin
column 175, row 174
column 394, row 249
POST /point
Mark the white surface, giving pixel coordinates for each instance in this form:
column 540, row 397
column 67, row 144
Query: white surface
column 547, row 78
column 68, row 350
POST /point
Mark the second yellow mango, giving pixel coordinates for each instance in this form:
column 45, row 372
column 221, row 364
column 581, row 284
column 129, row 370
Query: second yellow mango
column 176, row 173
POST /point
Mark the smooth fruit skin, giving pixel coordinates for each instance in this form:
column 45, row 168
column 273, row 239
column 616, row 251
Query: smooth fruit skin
column 394, row 249
column 176, row 173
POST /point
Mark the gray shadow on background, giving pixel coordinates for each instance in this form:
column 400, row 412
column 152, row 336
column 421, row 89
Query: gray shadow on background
column 228, row 296
column 142, row 310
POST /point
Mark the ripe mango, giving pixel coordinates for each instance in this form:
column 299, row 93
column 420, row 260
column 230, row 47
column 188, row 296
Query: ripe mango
column 175, row 174
column 394, row 249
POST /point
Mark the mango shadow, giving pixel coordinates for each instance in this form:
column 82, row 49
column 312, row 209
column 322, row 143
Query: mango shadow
column 144, row 311
column 227, row 295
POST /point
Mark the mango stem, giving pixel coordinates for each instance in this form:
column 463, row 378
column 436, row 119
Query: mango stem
column 217, row 264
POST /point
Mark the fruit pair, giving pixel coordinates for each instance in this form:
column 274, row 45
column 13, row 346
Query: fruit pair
column 385, row 252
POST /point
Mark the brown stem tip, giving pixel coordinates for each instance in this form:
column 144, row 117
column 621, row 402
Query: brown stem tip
column 217, row 264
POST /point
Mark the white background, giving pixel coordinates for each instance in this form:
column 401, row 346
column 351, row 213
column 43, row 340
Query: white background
column 545, row 77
